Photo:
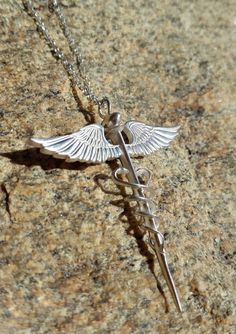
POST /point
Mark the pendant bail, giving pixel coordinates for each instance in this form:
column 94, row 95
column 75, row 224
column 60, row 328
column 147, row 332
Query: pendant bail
column 105, row 100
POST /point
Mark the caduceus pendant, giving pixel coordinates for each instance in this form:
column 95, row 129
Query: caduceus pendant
column 98, row 143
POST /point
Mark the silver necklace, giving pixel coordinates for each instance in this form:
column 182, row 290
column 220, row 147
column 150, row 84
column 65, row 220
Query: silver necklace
column 97, row 143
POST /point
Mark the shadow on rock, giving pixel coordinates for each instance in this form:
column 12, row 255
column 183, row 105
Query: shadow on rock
column 134, row 225
column 33, row 157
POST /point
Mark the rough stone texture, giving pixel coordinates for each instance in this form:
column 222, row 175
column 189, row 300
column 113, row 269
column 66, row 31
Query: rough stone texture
column 68, row 264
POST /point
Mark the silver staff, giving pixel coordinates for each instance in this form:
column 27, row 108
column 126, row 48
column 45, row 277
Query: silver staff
column 90, row 144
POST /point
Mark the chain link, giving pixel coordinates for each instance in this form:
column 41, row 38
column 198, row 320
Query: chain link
column 78, row 77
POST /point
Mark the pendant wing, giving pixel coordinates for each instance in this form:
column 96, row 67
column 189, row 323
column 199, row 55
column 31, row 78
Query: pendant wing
column 88, row 144
column 145, row 139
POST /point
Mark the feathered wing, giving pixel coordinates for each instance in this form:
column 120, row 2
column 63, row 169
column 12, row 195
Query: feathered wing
column 88, row 144
column 145, row 139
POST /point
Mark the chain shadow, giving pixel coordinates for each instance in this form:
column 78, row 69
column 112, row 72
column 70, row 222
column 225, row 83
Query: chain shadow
column 88, row 112
column 134, row 228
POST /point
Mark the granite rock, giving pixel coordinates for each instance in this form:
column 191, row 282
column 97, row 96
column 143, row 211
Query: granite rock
column 70, row 261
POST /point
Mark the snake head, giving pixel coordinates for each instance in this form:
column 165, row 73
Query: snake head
column 111, row 121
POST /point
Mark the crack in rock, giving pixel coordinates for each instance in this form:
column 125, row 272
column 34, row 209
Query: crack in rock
column 7, row 201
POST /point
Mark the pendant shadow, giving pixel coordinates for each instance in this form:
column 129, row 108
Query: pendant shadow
column 33, row 157
column 128, row 216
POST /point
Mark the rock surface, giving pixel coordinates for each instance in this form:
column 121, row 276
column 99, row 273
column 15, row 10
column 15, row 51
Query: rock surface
column 68, row 264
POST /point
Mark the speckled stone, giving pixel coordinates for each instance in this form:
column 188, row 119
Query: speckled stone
column 70, row 261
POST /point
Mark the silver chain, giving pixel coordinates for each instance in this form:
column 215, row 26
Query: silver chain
column 78, row 78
